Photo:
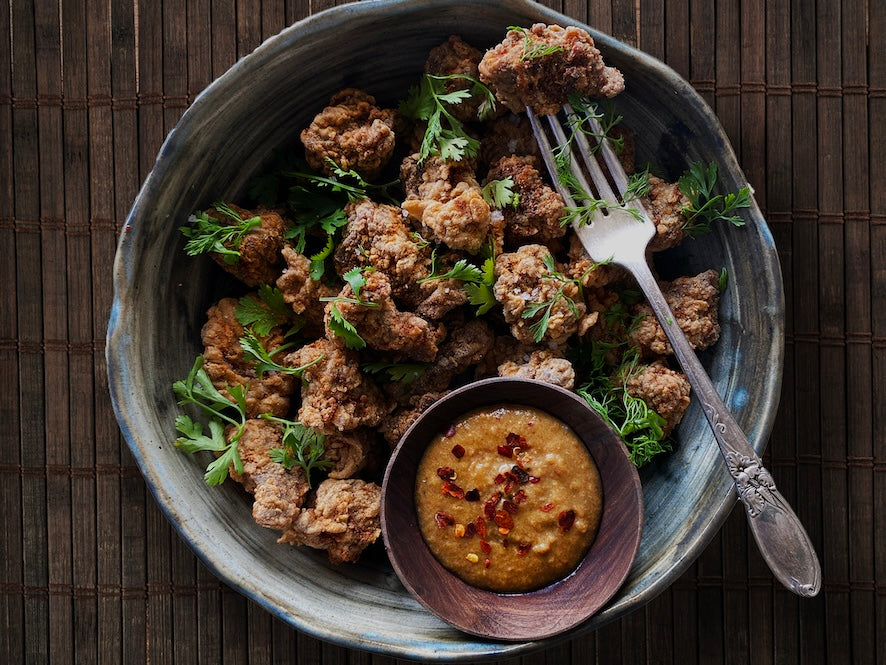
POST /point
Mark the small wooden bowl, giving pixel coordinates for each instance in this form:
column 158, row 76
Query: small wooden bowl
column 536, row 614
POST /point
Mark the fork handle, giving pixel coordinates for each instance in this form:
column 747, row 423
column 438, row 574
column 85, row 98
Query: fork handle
column 782, row 540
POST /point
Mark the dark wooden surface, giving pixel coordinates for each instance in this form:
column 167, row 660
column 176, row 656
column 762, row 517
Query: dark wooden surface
column 91, row 572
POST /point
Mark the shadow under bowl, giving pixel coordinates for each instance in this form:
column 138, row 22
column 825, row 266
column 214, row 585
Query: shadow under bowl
column 531, row 615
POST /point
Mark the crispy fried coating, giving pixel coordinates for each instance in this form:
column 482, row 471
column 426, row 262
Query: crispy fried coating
column 544, row 81
column 394, row 426
column 303, row 293
column 225, row 364
column 350, row 452
column 508, row 135
column 446, row 199
column 336, row 395
column 382, row 325
column 544, row 365
column 343, row 519
column 664, row 390
column 260, row 258
column 522, row 280
column 278, row 492
column 536, row 218
column 377, row 236
column 456, row 56
column 665, row 203
column 694, row 302
column 352, row 132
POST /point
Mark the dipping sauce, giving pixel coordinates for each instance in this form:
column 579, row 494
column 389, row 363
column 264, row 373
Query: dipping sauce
column 508, row 499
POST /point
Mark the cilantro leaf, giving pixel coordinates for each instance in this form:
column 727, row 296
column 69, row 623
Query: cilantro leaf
column 265, row 312
column 405, row 373
column 705, row 208
column 501, row 193
column 208, row 233
column 302, row 447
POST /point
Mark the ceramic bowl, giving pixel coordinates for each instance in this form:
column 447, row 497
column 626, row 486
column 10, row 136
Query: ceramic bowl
column 556, row 607
column 161, row 296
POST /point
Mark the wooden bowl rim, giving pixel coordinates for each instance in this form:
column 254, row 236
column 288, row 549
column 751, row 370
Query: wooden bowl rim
column 532, row 615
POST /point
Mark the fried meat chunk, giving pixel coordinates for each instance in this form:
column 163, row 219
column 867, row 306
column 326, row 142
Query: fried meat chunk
column 377, row 236
column 278, row 492
column 536, row 218
column 352, row 132
column 456, row 56
column 664, row 390
column 350, row 452
column 226, row 365
column 523, row 281
column 302, row 292
column 385, row 328
column 259, row 260
column 394, row 426
column 543, row 365
column 665, row 203
column 508, row 135
column 343, row 519
column 540, row 67
column 447, row 201
column 694, row 302
column 336, row 395
column 465, row 347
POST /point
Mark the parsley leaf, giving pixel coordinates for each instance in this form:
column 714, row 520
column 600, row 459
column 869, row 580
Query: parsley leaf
column 501, row 193
column 705, row 208
column 265, row 312
column 198, row 390
column 405, row 373
column 302, row 447
column 445, row 135
column 208, row 233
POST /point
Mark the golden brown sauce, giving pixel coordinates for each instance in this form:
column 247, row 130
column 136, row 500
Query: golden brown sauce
column 509, row 499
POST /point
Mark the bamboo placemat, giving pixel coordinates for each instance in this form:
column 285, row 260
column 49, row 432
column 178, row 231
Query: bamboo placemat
column 91, row 572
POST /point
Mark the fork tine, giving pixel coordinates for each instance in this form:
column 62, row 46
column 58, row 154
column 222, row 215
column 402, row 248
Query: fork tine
column 547, row 154
column 604, row 191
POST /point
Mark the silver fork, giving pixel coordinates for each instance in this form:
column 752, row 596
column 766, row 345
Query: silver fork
column 620, row 236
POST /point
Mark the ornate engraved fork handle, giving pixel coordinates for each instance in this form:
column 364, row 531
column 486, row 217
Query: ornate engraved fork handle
column 782, row 540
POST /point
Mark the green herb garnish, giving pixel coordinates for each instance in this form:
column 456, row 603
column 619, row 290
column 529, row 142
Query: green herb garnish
column 209, row 234
column 446, row 135
column 263, row 360
column 501, row 193
column 197, row 389
column 267, row 311
column 533, row 49
column 337, row 323
column 405, row 373
column 704, row 207
column 302, row 447
column 540, row 327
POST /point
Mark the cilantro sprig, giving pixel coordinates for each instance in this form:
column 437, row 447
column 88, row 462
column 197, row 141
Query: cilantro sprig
column 404, row 373
column 207, row 233
column 705, row 208
column 461, row 271
column 197, row 389
column 480, row 291
column 301, row 446
column 263, row 359
column 265, row 311
column 446, row 135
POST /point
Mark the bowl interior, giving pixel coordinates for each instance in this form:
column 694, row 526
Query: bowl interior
column 519, row 616
column 230, row 134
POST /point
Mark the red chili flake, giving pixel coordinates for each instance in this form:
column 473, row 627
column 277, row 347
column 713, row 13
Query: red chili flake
column 516, row 440
column 510, row 507
column 511, row 484
column 506, row 451
column 520, row 496
column 486, row 547
column 491, row 503
column 487, row 563
column 548, row 507
column 534, row 479
column 565, row 519
column 452, row 489
column 480, row 526
column 470, row 530
column 523, row 548
column 499, row 479
column 450, row 432
column 445, row 472
column 520, row 474
column 503, row 520
column 458, row 450
column 443, row 519
column 472, row 495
